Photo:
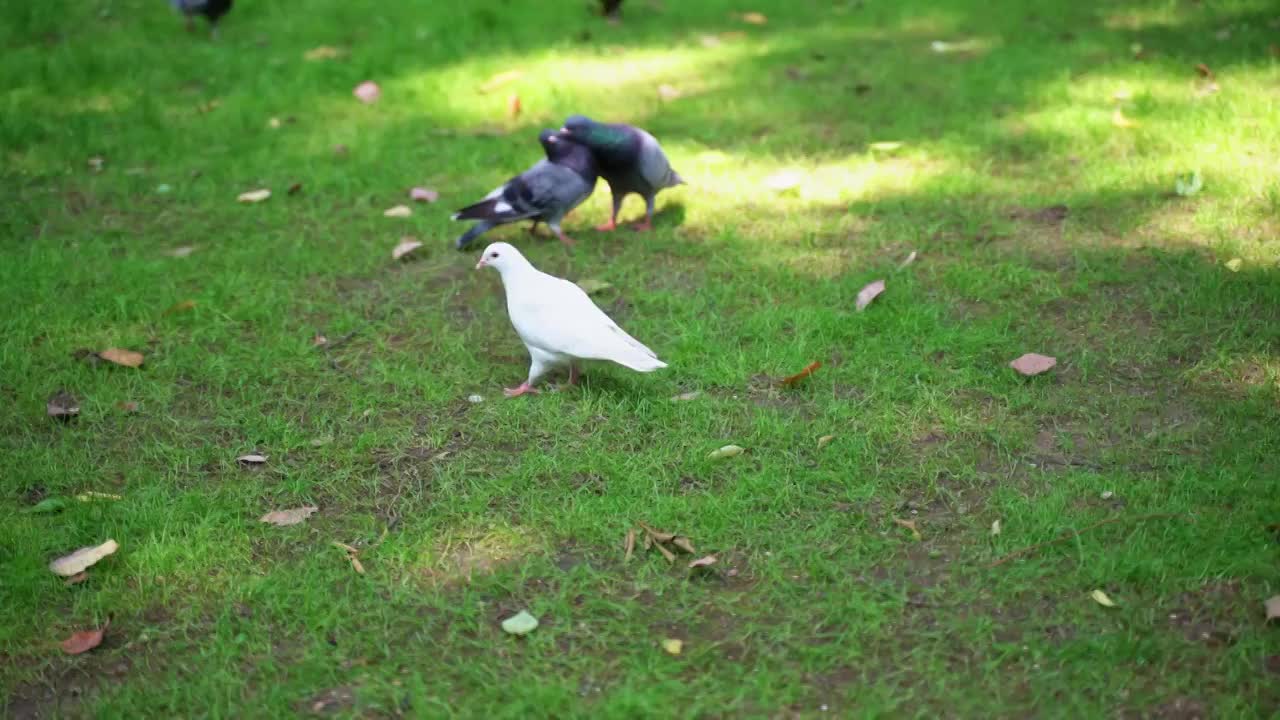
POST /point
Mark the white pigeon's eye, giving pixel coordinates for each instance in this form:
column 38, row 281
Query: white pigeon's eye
column 493, row 254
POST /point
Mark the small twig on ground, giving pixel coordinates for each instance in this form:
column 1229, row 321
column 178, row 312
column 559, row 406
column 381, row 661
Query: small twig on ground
column 335, row 343
column 1075, row 533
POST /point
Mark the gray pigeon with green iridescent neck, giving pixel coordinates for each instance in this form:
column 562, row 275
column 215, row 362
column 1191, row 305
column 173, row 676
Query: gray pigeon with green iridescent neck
column 630, row 160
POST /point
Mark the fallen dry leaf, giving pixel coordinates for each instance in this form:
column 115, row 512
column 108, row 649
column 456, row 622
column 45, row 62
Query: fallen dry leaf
column 522, row 623
column 406, row 246
column 691, row 395
column 367, row 92
column 399, row 211
column 254, row 196
column 809, row 369
column 319, row 341
column 293, row 516
column 822, row 441
column 670, row 556
column 126, row 358
column 1033, row 364
column 1273, row 608
column 673, row 646
column 82, row 559
column 181, row 251
column 629, row 545
column 84, row 640
column 727, row 451
column 1204, row 71
column 76, row 579
column 62, row 405
column 910, row 525
column 867, row 294
column 501, row 79
column 659, row 535
column 591, row 286
column 1101, row 598
column 1234, row 264
column 995, row 527
column 784, row 180
column 910, row 259
column 754, row 18
column 422, row 194
column 324, row 52
column 668, row 92
column 1119, row 120
column 704, row 561
column 252, row 459
column 355, row 564
column 683, row 543
column 294, row 189
column 180, row 307
column 513, row 106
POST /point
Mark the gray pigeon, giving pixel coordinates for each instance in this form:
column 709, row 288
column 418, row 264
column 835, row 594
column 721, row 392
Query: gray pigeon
column 212, row 10
column 545, row 192
column 630, row 160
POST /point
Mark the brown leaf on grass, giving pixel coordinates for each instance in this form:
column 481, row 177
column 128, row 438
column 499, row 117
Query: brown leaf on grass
column 76, row 579
column 62, row 405
column 82, row 559
column 670, row 556
column 285, row 518
column 658, row 535
column 128, row 406
column 808, row 370
column 367, row 92
column 422, row 194
column 910, row 525
column 1204, row 71
column 501, row 79
column 85, row 640
column 513, row 106
column 125, row 358
column 324, row 52
column 683, row 543
column 629, row 545
column 1033, row 364
column 754, row 18
column 822, row 441
column 1273, row 608
column 867, row 294
column 179, row 307
column 705, row 561
column 319, row 341
column 406, row 246
column 355, row 564
column 648, row 541
column 252, row 459
column 1119, row 120
column 294, row 189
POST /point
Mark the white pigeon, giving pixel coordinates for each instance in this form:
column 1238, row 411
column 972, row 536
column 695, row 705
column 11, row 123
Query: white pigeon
column 558, row 322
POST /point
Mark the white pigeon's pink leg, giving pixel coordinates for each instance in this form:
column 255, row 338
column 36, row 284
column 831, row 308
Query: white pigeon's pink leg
column 523, row 389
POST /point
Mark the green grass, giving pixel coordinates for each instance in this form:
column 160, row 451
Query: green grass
column 1166, row 396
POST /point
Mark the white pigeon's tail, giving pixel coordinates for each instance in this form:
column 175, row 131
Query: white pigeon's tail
column 639, row 362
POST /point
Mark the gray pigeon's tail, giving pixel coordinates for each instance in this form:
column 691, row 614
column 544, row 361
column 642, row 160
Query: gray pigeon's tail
column 476, row 231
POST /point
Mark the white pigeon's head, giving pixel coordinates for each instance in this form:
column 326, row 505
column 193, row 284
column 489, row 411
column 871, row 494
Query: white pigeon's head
column 501, row 257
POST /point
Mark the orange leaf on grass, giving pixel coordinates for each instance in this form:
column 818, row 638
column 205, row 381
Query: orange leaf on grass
column 809, row 369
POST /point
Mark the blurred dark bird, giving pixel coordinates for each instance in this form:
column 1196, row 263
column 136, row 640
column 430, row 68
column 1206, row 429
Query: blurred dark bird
column 545, row 192
column 630, row 160
column 212, row 10
column 611, row 9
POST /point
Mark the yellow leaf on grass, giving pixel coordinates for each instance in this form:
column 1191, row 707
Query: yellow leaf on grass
column 910, row 525
column 254, row 196
column 673, row 646
column 1101, row 598
column 727, row 451
column 80, row 560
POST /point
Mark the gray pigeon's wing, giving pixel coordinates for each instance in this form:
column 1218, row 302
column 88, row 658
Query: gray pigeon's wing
column 653, row 165
column 552, row 190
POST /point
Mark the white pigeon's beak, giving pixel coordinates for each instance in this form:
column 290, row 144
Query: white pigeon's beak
column 480, row 264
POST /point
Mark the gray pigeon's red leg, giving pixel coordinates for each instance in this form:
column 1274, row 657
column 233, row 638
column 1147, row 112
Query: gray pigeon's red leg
column 517, row 392
column 613, row 217
column 647, row 223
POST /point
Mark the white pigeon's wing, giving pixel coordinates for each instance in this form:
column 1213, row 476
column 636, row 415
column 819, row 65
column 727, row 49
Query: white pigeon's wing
column 557, row 316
